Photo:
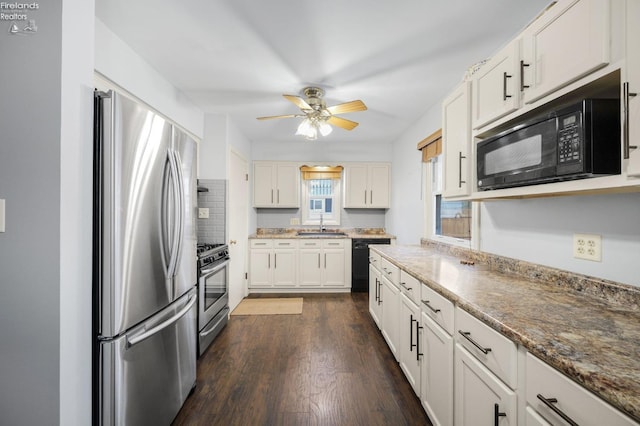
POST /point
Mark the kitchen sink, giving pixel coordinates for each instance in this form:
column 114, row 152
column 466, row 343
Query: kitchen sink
column 321, row 234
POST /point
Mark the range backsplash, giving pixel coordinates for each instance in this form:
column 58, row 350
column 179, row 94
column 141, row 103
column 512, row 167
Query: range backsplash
column 213, row 229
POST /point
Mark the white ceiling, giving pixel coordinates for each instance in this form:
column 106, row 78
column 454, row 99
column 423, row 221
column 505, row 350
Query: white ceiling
column 239, row 56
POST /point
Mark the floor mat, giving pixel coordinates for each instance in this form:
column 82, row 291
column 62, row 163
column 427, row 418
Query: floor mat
column 266, row 306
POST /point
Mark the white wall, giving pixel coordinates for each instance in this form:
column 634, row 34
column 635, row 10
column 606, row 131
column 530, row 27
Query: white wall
column 45, row 253
column 212, row 157
column 76, row 159
column 405, row 218
column 118, row 63
column 541, row 231
column 319, row 151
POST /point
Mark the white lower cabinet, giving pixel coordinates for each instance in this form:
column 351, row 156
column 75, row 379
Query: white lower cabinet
column 480, row 397
column 390, row 314
column 375, row 303
column 273, row 263
column 323, row 263
column 410, row 345
column 552, row 398
column 436, row 385
column 300, row 264
column 465, row 372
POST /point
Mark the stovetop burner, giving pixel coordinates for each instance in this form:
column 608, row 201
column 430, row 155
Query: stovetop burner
column 205, row 247
column 210, row 254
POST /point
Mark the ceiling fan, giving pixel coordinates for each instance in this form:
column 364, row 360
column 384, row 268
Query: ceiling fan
column 318, row 116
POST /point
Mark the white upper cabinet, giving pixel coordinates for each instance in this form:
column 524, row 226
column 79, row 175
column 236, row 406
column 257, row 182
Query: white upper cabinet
column 496, row 86
column 570, row 41
column 456, row 142
column 276, row 184
column 631, row 92
column 367, row 185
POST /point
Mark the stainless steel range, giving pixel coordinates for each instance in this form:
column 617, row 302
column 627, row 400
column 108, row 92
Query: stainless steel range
column 213, row 292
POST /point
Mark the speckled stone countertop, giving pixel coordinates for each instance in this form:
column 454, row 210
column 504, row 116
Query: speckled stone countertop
column 585, row 327
column 329, row 233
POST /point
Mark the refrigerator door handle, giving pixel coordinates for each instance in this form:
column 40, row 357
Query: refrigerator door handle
column 131, row 341
column 180, row 207
column 165, row 241
column 173, row 263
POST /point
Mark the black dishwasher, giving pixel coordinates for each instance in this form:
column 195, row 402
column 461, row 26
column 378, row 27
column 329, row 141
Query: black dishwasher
column 360, row 262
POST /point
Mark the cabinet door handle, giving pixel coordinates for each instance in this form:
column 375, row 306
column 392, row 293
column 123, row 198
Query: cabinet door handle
column 278, row 196
column 411, row 344
column 379, row 292
column 505, row 76
column 318, row 260
column 460, row 181
column 497, row 414
column 522, row 67
column 269, row 261
column 467, row 335
column 625, row 131
column 365, row 196
column 426, row 303
column 377, row 296
column 418, row 328
column 549, row 402
column 371, row 197
column 275, row 260
column 325, row 261
column 272, row 196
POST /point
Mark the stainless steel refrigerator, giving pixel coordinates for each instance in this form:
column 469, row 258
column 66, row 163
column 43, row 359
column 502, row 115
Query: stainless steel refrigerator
column 145, row 310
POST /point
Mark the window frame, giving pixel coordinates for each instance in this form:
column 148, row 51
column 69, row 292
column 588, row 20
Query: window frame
column 434, row 177
column 306, row 218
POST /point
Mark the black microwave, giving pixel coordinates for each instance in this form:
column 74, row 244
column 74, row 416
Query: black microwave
column 576, row 142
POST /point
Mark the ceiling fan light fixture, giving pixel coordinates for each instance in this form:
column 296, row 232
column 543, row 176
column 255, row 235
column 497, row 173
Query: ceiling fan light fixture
column 325, row 129
column 318, row 118
column 308, row 129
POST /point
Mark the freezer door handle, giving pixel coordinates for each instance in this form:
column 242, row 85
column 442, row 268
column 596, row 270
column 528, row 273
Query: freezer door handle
column 139, row 338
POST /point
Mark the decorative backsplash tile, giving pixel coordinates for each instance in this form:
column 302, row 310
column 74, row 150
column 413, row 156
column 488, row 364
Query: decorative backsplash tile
column 213, row 229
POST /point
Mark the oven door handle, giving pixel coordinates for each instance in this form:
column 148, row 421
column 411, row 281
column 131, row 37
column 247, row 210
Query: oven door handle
column 216, row 268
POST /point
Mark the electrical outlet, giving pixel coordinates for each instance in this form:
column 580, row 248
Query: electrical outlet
column 203, row 213
column 588, row 247
column 294, row 221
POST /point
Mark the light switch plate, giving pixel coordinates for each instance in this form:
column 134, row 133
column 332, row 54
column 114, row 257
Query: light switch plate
column 203, row 213
column 2, row 216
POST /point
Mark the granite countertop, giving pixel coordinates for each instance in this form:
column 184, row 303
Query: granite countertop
column 589, row 331
column 276, row 233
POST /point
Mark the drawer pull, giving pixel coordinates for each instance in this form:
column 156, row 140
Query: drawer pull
column 549, row 402
column 405, row 286
column 497, row 414
column 426, row 303
column 466, row 335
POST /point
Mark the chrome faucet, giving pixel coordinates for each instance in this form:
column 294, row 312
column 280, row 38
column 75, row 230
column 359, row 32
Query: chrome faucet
column 321, row 223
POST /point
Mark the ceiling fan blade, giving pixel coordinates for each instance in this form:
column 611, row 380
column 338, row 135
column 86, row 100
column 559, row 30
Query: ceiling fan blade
column 353, row 106
column 277, row 116
column 298, row 101
column 342, row 122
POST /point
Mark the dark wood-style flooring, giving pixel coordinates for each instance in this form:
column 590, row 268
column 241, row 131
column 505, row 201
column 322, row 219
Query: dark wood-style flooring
column 328, row 366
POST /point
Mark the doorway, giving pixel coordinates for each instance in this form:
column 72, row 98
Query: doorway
column 238, row 227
